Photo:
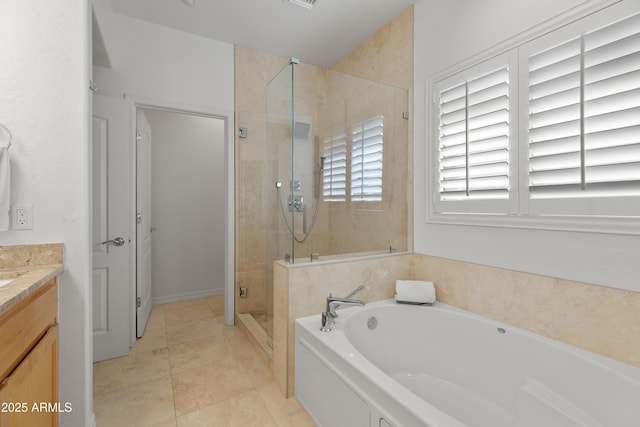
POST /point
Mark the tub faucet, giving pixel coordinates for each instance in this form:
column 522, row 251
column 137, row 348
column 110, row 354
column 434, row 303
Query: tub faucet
column 328, row 317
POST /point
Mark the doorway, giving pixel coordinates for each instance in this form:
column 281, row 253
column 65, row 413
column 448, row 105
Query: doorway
column 189, row 214
column 188, row 205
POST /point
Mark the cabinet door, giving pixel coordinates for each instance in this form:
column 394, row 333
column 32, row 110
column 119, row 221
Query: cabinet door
column 29, row 395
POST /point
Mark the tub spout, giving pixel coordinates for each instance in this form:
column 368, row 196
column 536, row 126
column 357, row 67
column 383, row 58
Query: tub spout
column 328, row 317
column 349, row 297
column 334, row 302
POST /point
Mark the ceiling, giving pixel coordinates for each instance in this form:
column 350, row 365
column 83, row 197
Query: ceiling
column 320, row 36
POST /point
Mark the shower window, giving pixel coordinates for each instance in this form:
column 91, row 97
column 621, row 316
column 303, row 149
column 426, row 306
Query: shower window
column 365, row 167
column 366, row 160
column 334, row 184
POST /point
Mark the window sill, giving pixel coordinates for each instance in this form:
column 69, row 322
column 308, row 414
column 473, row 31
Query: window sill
column 583, row 224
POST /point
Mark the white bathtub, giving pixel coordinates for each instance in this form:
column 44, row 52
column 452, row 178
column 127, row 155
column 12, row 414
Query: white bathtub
column 439, row 366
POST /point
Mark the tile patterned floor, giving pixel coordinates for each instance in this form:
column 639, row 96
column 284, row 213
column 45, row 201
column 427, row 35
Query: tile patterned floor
column 190, row 369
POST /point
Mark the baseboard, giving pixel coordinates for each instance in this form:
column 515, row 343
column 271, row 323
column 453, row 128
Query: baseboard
column 188, row 296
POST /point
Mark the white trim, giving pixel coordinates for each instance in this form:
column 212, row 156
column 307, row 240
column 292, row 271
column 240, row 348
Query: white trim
column 595, row 224
column 228, row 117
column 605, row 225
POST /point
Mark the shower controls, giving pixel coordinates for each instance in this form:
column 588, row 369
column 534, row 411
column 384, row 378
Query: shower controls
column 243, row 291
column 296, row 203
column 296, row 185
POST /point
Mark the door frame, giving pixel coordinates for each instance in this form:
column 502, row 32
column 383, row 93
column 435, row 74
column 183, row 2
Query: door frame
column 229, row 168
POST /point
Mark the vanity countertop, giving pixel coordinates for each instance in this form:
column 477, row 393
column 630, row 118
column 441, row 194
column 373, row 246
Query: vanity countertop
column 25, row 268
column 24, row 281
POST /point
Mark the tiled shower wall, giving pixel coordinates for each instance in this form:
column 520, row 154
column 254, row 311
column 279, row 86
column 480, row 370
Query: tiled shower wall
column 253, row 71
column 387, row 57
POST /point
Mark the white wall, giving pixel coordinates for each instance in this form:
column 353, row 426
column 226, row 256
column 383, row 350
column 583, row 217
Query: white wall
column 44, row 100
column 160, row 66
column 163, row 65
column 448, row 32
column 188, row 205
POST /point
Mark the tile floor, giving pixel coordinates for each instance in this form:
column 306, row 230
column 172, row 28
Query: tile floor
column 190, row 369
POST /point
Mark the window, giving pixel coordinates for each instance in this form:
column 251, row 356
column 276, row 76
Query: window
column 474, row 138
column 366, row 160
column 334, row 181
column 584, row 119
column 474, row 129
column 547, row 128
column 365, row 168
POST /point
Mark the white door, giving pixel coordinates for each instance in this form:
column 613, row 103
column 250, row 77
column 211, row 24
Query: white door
column 143, row 220
column 111, row 227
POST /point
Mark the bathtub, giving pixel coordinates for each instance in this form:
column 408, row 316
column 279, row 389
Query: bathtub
column 389, row 364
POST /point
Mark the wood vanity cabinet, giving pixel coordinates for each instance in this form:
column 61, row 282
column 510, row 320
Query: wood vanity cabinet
column 29, row 360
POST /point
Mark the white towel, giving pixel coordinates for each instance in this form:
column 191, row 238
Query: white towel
column 5, row 187
column 415, row 291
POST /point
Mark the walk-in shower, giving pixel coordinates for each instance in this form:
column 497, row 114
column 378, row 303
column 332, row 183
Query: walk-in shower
column 335, row 178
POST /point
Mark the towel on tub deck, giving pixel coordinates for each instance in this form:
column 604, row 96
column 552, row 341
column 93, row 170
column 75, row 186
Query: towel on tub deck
column 5, row 186
column 415, row 291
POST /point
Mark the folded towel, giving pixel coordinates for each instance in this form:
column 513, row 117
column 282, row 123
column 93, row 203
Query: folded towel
column 415, row 291
column 5, row 186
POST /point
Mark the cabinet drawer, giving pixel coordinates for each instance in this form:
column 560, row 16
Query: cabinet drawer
column 32, row 388
column 23, row 325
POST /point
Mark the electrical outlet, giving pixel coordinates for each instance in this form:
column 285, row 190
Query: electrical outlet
column 22, row 217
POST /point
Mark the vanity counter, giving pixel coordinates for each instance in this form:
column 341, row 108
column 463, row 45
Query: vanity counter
column 24, row 282
column 29, row 333
column 26, row 268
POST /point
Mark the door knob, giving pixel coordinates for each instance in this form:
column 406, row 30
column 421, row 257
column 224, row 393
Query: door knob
column 118, row 241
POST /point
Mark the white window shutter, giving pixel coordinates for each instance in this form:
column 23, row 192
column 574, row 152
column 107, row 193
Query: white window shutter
column 584, row 115
column 612, row 109
column 334, row 181
column 366, row 160
column 474, row 138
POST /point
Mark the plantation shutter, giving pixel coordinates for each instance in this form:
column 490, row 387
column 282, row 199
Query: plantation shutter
column 334, row 181
column 584, row 115
column 366, row 160
column 474, row 138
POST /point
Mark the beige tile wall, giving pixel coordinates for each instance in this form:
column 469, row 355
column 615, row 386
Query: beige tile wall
column 301, row 290
column 356, row 227
column 596, row 318
column 253, row 70
column 387, row 57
